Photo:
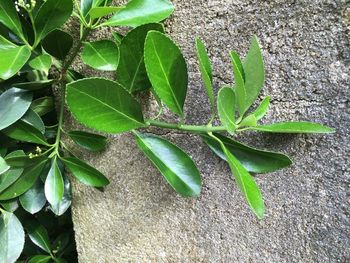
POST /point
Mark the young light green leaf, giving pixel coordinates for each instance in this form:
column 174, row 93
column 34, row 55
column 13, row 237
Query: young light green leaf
column 245, row 182
column 34, row 199
column 88, row 141
column 262, row 109
column 51, row 15
column 167, row 70
column 33, row 119
column 4, row 167
column 58, row 49
column 253, row 65
column 249, row 121
column 25, row 132
column 140, row 12
column 12, row 174
column 240, row 89
column 103, row 105
column 295, row 127
column 226, row 108
column 66, row 201
column 97, row 12
column 13, row 105
column 54, row 187
column 12, row 60
column 42, row 105
column 174, row 164
column 38, row 235
column 254, row 160
column 85, row 6
column 11, row 237
column 84, row 172
column 40, row 259
column 206, row 71
column 24, row 183
column 131, row 72
column 9, row 17
column 101, row 55
column 42, row 63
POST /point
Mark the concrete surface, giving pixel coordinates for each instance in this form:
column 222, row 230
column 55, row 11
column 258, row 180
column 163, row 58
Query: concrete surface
column 140, row 219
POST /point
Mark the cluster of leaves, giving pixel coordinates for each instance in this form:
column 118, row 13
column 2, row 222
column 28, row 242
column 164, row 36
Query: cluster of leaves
column 33, row 156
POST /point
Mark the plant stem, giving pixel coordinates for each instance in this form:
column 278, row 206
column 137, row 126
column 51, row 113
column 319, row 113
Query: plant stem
column 183, row 127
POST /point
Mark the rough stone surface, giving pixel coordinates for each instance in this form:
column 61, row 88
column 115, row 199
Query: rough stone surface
column 140, row 219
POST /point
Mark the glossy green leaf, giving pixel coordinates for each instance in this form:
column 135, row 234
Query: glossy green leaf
column 10, row 205
column 103, row 105
column 206, row 70
column 42, row 105
column 240, row 89
column 97, row 12
column 88, row 141
column 34, row 199
column 295, row 127
column 140, row 12
column 118, row 37
column 39, row 259
column 12, row 60
column 253, row 65
column 174, row 164
column 254, row 160
column 226, row 108
column 131, row 72
column 54, row 185
column 85, row 6
column 66, row 201
column 11, row 237
column 38, row 235
column 13, row 105
column 167, row 70
column 24, row 183
column 3, row 166
column 101, row 55
column 84, row 172
column 262, row 109
column 58, row 49
column 25, row 132
column 245, row 182
column 12, row 174
column 249, row 121
column 5, row 43
column 32, row 118
column 51, row 15
column 42, row 63
column 9, row 17
column 34, row 85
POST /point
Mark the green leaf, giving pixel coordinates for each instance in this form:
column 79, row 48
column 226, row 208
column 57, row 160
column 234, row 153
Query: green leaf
column 140, row 12
column 12, row 60
column 118, row 37
column 226, row 108
column 32, row 118
column 253, row 65
column 167, row 70
column 249, row 121
column 174, row 164
column 34, row 85
column 51, row 15
column 262, row 109
column 101, row 55
column 66, row 201
column 295, row 127
column 131, row 72
column 13, row 105
column 5, row 44
column 10, row 205
column 240, row 89
column 254, row 160
column 84, row 172
column 245, row 182
column 3, row 166
column 24, row 183
column 11, row 175
column 103, row 105
column 42, row 105
column 38, row 235
column 97, row 12
column 39, row 259
column 54, row 185
column 9, row 17
column 206, row 70
column 88, row 141
column 34, row 199
column 42, row 63
column 85, row 6
column 11, row 237
column 25, row 132
column 58, row 49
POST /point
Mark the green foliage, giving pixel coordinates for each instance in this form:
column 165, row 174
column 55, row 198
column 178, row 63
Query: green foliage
column 35, row 190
